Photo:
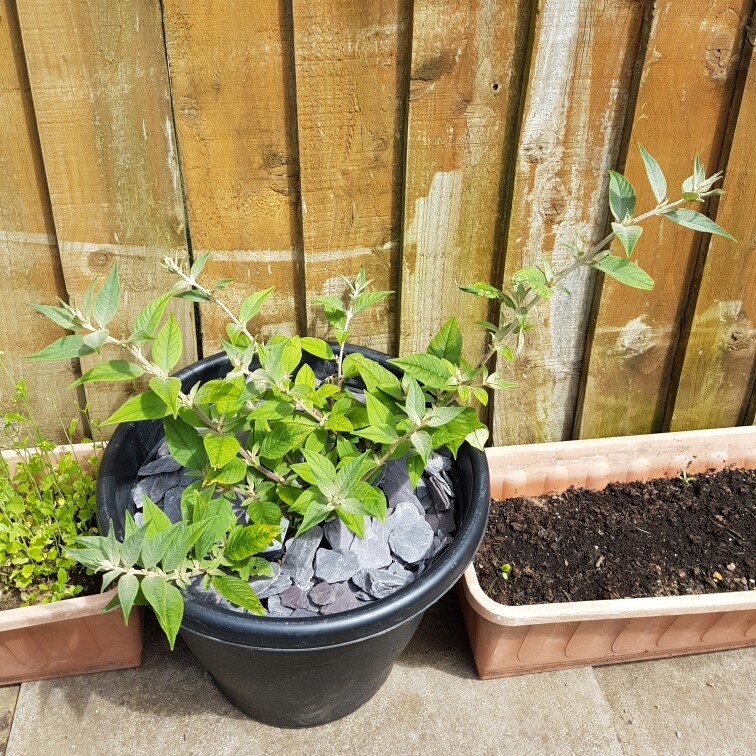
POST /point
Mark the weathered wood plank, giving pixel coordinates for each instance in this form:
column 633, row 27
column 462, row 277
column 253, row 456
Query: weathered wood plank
column 717, row 371
column 232, row 77
column 467, row 66
column 682, row 106
column 100, row 86
column 582, row 66
column 28, row 248
column 351, row 68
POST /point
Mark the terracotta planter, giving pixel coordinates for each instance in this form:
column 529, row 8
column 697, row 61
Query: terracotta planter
column 69, row 637
column 515, row 640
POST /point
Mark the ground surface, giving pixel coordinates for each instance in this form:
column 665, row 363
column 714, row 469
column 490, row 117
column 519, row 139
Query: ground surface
column 661, row 538
column 432, row 704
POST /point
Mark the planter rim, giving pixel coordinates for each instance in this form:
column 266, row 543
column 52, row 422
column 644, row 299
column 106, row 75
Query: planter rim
column 70, row 608
column 337, row 629
column 699, row 450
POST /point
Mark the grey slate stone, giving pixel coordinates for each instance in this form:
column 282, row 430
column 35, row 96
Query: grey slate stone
column 432, row 519
column 335, row 565
column 404, row 514
column 441, row 493
column 300, row 554
column 297, row 598
column 163, row 450
column 372, row 551
column 324, row 593
column 397, row 569
column 338, row 534
column 303, row 613
column 261, row 583
column 160, row 465
column 154, row 486
column 344, row 601
column 436, row 463
column 394, row 480
column 172, row 504
column 382, row 583
column 446, row 522
column 277, row 609
column 275, row 587
column 411, row 541
column 421, row 490
column 442, row 544
column 360, row 580
column 139, row 518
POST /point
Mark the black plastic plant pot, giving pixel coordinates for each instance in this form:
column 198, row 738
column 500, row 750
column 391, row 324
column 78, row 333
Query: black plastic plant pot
column 305, row 671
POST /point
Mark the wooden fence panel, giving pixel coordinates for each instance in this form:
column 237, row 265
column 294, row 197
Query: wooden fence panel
column 467, row 67
column 718, row 368
column 582, row 65
column 28, row 248
column 682, row 106
column 232, row 77
column 99, row 80
column 351, row 69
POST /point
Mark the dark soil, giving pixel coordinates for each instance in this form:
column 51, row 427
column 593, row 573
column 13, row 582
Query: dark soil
column 661, row 538
column 11, row 598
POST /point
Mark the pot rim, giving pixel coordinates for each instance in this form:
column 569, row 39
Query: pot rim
column 372, row 619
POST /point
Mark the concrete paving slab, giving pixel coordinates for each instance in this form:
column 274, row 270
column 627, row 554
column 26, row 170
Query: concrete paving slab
column 8, row 697
column 432, row 704
column 694, row 705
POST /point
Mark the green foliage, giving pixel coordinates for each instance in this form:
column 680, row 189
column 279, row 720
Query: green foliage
column 45, row 505
column 270, row 433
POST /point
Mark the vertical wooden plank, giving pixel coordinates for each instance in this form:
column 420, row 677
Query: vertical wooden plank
column 682, row 106
column 100, row 85
column 467, row 66
column 718, row 367
column 232, row 77
column 351, row 68
column 582, row 66
column 28, row 248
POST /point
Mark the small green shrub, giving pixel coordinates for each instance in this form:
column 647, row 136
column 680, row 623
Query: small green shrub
column 45, row 506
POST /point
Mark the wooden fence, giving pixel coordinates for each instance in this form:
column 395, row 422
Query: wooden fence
column 432, row 141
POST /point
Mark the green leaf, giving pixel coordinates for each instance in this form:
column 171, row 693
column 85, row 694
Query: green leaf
column 322, row 470
column 252, row 304
column 185, row 443
column 477, row 438
column 415, row 404
column 447, row 343
column 699, row 174
column 167, row 603
column 193, row 296
column 181, row 544
column 628, row 236
column 238, row 592
column 625, row 271
column 535, row 278
column 438, row 416
column 107, row 299
column 221, row 449
column 318, row 510
column 426, row 368
column 284, row 437
column 249, row 540
column 150, row 316
column 453, row 433
column 59, row 315
column 697, row 221
column 415, row 467
column 331, row 303
column 113, row 370
column 155, row 519
column 198, row 264
column 232, row 472
column 145, row 406
column 131, row 547
column 351, row 472
column 166, row 349
column 264, row 512
column 128, row 587
column 155, row 546
column 378, row 413
column 96, row 339
column 318, row 347
column 363, row 301
column 621, row 196
column 168, row 390
column 65, row 348
column 87, row 299
column 422, row 442
column 655, row 175
column 374, row 375
column 481, row 289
